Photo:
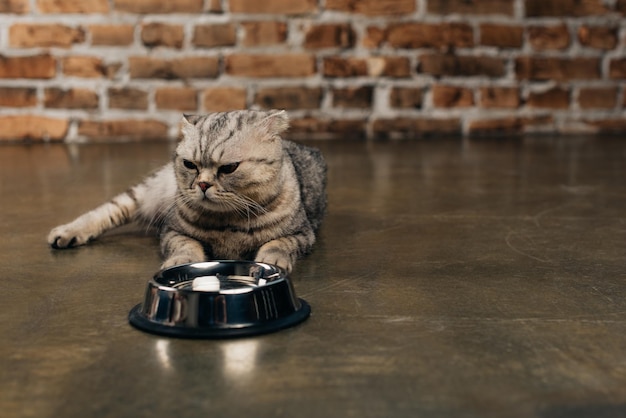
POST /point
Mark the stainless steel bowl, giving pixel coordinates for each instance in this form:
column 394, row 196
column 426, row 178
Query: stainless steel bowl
column 219, row 299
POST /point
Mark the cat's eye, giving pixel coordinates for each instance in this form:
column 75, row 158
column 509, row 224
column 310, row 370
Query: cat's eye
column 188, row 164
column 227, row 168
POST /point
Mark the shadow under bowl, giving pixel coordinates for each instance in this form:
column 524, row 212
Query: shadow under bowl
column 219, row 299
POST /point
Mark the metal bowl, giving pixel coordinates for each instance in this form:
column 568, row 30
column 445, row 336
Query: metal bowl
column 219, row 299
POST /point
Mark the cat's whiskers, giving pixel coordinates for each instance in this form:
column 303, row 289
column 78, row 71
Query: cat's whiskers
column 160, row 216
column 250, row 204
column 233, row 207
column 242, row 205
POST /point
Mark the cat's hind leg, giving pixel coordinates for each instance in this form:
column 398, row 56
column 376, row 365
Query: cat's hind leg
column 116, row 212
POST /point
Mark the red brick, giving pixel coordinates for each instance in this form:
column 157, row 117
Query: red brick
column 214, row 6
column 196, row 67
column 112, row 70
column 287, row 7
column 26, row 35
column 511, row 125
column 608, row 126
column 222, row 99
column 598, row 37
column 344, row 67
column 309, row 127
column 159, row 6
column 112, row 35
column 555, row 98
column 478, row 7
column 339, row 35
column 18, row 97
column 459, row 65
column 29, row 127
column 557, row 69
column 498, row 126
column 416, row 127
column 215, row 35
column 14, row 6
column 406, row 97
column 499, row 97
column 427, row 35
column 161, row 34
column 128, row 98
column 76, row 98
column 372, row 7
column 353, row 97
column 83, row 66
column 563, row 8
column 176, row 98
column 123, row 129
column 275, row 65
column 374, row 37
column 549, row 37
column 337, row 66
column 36, row 66
column 397, row 67
column 264, row 33
column 452, row 96
column 597, row 98
column 182, row 68
column 73, row 6
column 617, row 68
column 502, row 36
column 291, row 98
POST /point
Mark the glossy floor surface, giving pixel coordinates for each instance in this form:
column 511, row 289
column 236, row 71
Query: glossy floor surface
column 451, row 279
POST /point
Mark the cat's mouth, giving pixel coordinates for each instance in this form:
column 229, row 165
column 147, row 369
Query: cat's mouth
column 209, row 194
column 214, row 202
column 209, row 199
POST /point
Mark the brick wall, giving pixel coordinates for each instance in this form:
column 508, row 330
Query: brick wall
column 85, row 70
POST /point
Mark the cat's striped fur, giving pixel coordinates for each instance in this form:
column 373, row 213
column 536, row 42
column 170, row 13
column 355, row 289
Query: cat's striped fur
column 234, row 190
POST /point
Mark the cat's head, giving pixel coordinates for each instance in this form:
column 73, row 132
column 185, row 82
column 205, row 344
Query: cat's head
column 230, row 161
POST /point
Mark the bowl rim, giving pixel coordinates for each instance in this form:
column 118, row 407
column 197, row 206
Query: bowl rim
column 280, row 273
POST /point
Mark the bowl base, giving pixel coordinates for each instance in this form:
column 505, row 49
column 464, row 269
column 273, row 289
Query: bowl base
column 140, row 322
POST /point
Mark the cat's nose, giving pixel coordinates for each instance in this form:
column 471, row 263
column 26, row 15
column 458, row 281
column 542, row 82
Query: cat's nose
column 204, row 186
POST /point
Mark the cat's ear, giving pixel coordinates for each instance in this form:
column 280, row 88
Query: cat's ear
column 275, row 122
column 187, row 125
column 192, row 119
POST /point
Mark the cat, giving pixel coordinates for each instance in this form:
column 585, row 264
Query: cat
column 234, row 190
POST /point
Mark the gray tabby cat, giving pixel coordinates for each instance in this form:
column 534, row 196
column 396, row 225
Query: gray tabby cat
column 234, row 190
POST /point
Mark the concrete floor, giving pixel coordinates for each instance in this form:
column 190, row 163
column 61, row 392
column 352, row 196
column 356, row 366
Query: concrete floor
column 451, row 279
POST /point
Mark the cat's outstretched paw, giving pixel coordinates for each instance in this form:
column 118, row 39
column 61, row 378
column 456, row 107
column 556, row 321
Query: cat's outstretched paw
column 65, row 236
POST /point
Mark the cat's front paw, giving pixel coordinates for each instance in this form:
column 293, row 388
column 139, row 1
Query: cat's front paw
column 67, row 236
column 178, row 260
column 273, row 255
